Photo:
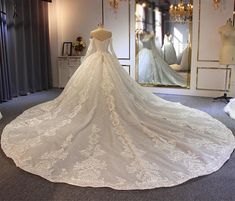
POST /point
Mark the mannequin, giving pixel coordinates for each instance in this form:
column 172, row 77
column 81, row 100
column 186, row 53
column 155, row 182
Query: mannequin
column 227, row 52
column 227, row 56
column 169, row 50
column 100, row 33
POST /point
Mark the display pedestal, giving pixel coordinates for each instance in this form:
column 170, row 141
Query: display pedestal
column 225, row 96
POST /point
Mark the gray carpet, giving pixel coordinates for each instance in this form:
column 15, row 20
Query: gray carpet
column 17, row 185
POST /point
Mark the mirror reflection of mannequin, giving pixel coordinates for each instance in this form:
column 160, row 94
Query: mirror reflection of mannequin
column 184, row 60
column 227, row 56
column 227, row 52
column 151, row 66
column 169, row 50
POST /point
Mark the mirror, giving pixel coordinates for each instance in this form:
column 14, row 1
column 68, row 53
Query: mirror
column 163, row 42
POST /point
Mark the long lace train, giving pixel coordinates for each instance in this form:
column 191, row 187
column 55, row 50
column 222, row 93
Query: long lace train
column 106, row 130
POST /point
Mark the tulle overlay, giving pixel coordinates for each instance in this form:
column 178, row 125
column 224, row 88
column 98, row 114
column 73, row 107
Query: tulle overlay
column 153, row 69
column 104, row 130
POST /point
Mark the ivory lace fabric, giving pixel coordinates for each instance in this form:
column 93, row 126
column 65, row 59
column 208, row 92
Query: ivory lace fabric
column 104, row 130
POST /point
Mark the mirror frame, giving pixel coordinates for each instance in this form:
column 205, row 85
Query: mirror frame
column 188, row 79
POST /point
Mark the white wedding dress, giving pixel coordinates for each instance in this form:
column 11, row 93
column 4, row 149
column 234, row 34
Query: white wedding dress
column 169, row 50
column 230, row 108
column 104, row 130
column 153, row 69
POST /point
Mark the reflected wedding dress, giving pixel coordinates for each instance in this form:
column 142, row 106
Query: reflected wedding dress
column 169, row 50
column 230, row 108
column 152, row 67
column 0, row 115
column 104, row 130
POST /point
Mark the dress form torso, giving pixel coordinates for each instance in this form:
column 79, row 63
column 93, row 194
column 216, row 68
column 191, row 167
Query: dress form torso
column 147, row 41
column 227, row 52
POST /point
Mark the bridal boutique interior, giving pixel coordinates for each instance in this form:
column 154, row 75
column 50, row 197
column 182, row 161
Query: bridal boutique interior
column 172, row 53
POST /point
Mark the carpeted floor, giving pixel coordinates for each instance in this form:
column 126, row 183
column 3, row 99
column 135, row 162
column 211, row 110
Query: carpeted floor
column 17, row 185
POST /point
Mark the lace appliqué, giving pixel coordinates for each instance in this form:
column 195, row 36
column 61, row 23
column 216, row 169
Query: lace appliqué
column 90, row 168
column 144, row 170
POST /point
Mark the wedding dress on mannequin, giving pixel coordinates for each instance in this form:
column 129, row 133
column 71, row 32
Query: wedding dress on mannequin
column 106, row 130
column 152, row 68
column 227, row 57
column 0, row 115
column 169, row 50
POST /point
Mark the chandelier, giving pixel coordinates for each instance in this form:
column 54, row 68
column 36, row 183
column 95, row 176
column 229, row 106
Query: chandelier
column 181, row 12
column 115, row 4
column 216, row 4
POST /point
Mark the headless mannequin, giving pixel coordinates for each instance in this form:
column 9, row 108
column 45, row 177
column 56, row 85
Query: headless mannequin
column 146, row 39
column 227, row 52
column 148, row 36
column 100, row 33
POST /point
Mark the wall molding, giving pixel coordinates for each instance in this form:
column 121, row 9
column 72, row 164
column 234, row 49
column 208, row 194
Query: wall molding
column 214, row 68
column 129, row 29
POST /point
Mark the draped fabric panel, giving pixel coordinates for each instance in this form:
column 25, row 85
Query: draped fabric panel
column 5, row 86
column 28, row 46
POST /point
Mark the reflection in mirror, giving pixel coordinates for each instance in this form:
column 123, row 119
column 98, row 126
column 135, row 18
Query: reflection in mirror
column 163, row 42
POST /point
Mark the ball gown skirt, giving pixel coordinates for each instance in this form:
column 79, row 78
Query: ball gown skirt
column 153, row 69
column 104, row 130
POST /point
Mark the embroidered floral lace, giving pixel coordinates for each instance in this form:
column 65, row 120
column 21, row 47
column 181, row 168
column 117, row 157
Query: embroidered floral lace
column 106, row 130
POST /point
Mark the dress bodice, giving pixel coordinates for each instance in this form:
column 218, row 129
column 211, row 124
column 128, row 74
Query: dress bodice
column 97, row 45
column 101, row 46
column 168, row 39
column 147, row 42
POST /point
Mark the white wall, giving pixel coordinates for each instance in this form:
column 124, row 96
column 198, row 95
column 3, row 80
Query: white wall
column 78, row 17
column 53, row 29
column 69, row 19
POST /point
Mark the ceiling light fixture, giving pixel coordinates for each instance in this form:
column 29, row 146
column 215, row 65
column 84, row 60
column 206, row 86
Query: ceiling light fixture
column 181, row 12
column 216, row 4
column 115, row 4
